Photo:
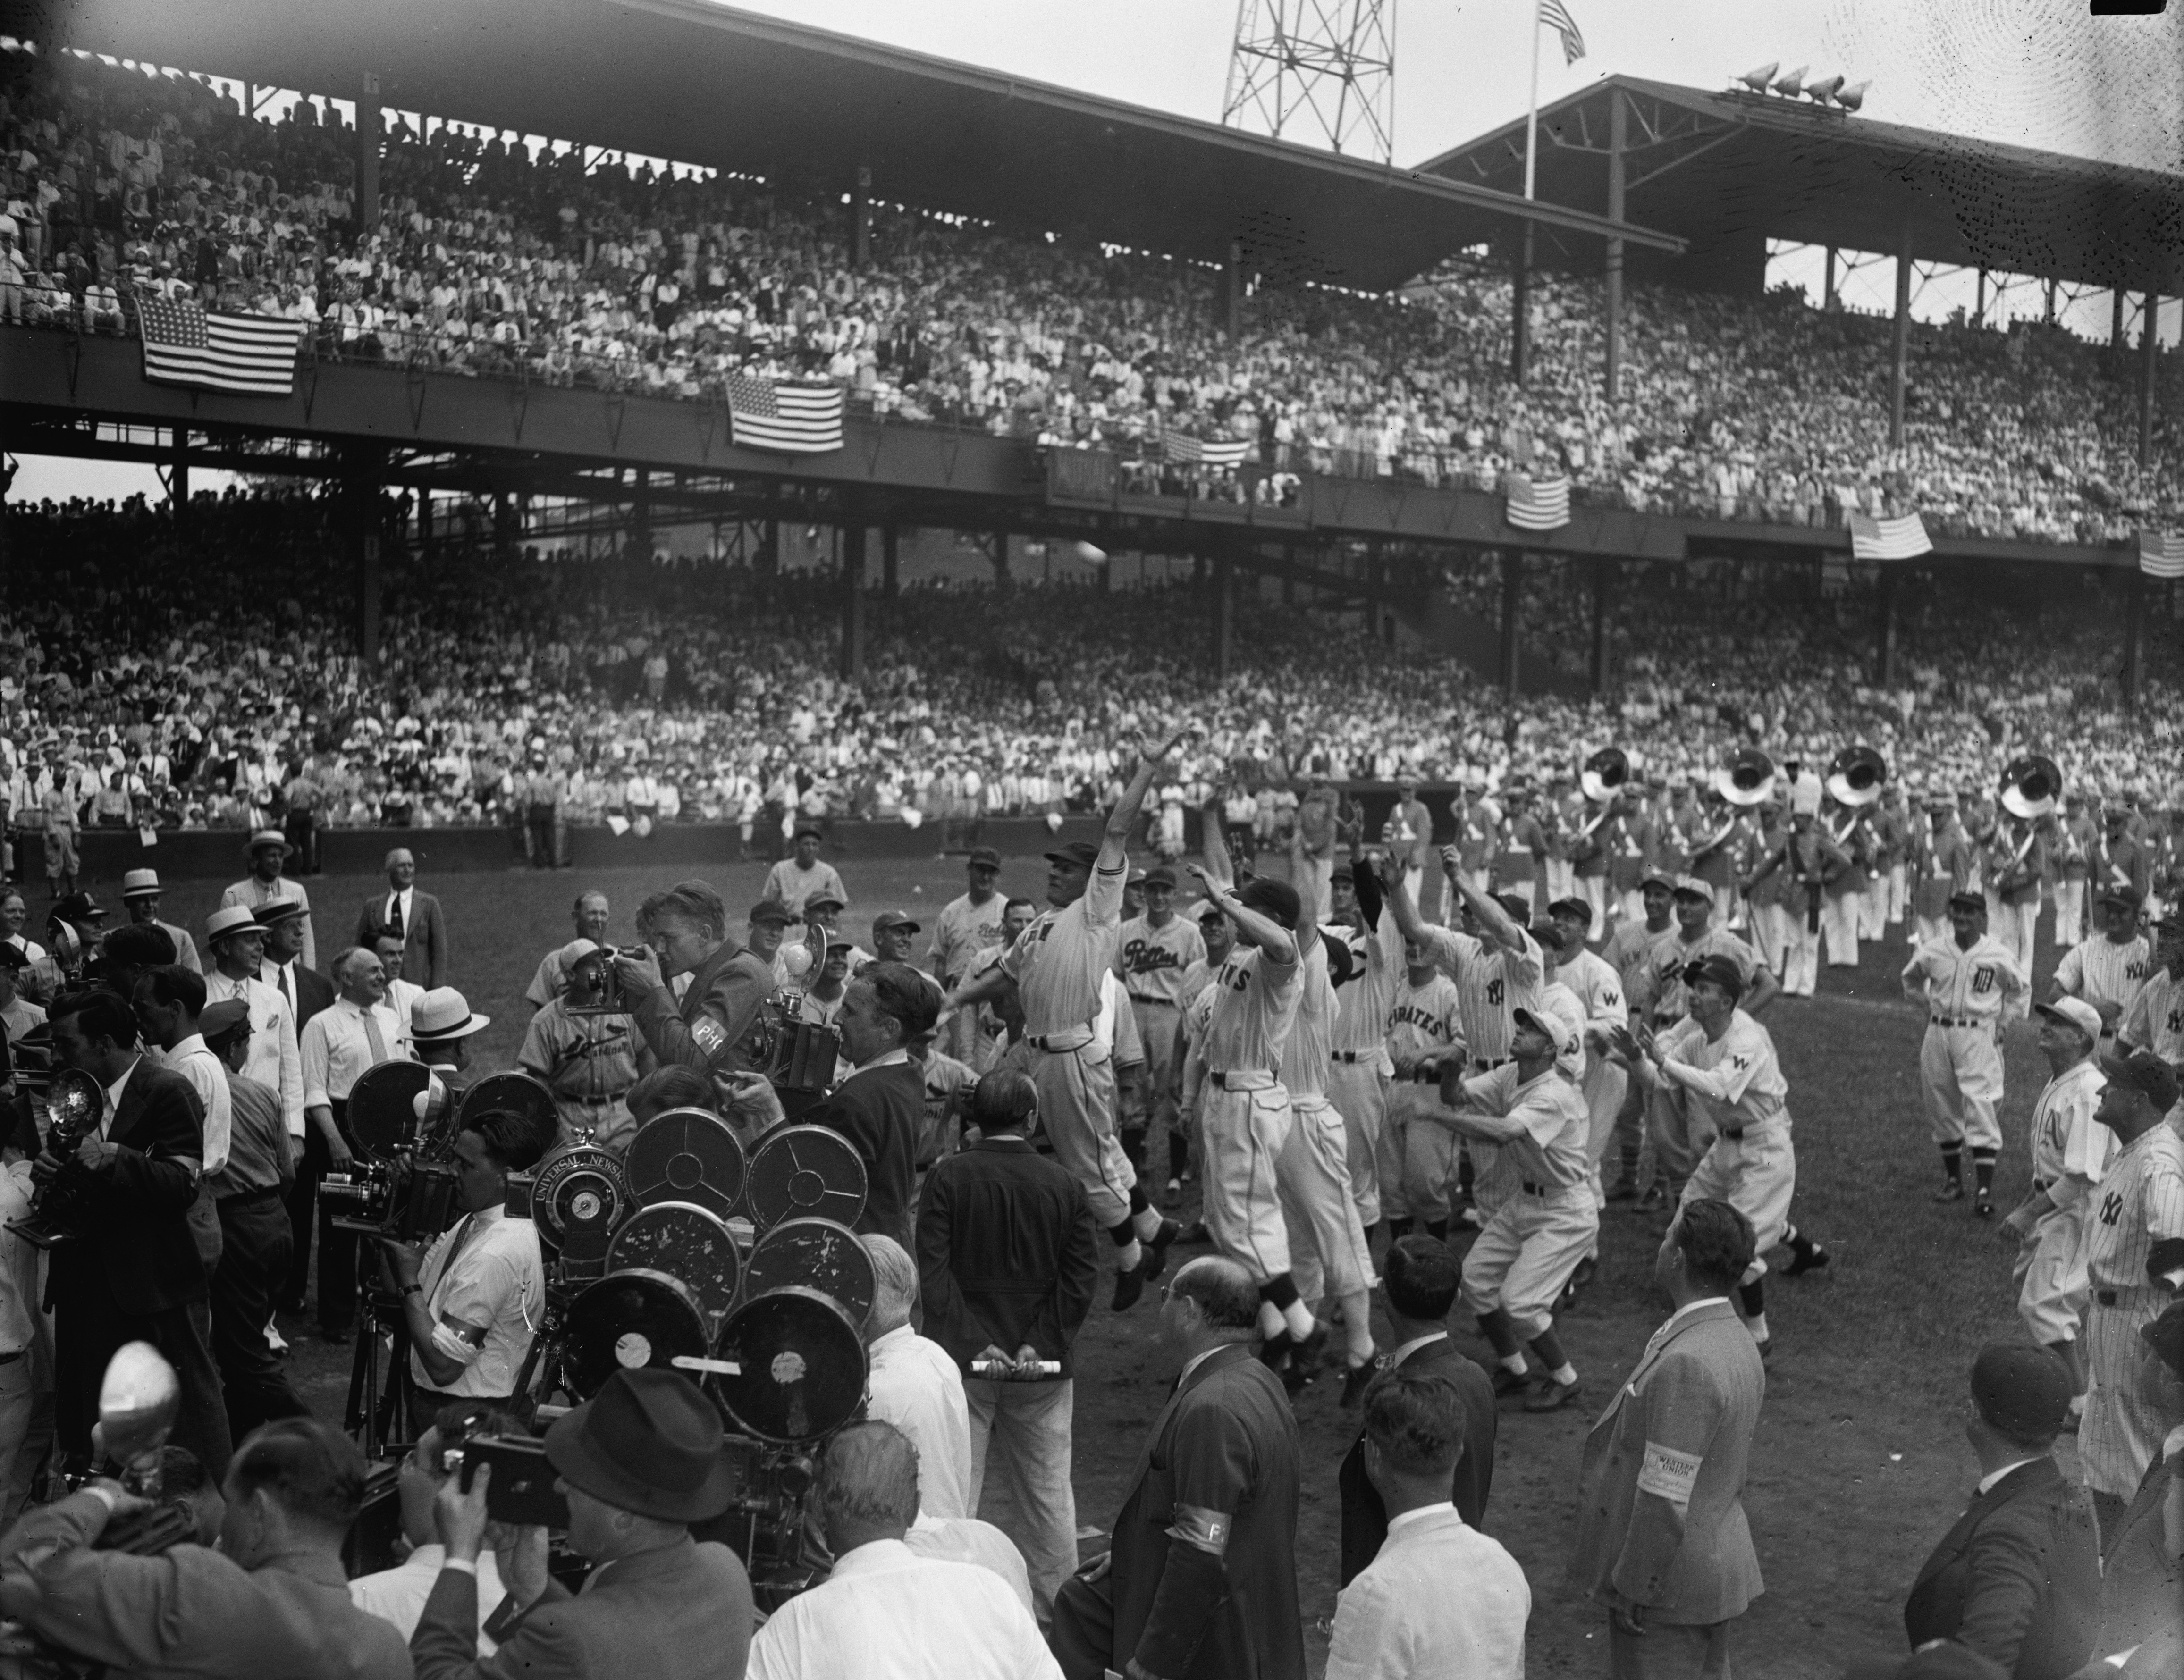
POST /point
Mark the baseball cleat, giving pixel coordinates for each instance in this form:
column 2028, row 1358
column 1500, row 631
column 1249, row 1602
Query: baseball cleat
column 1951, row 1190
column 1355, row 1382
column 1156, row 1248
column 1811, row 1260
column 1983, row 1206
column 1129, row 1285
column 1507, row 1382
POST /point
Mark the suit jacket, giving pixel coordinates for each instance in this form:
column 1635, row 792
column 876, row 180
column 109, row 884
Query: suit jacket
column 190, row 1611
column 424, row 954
column 1364, row 1517
column 681, row 1613
column 879, row 1109
column 1679, row 1428
column 2141, row 1585
column 312, row 991
column 1226, row 1442
column 1008, row 1253
column 186, row 949
column 717, row 1008
column 2018, row 1579
column 140, row 1250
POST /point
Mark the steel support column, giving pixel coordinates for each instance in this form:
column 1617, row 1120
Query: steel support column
column 1884, row 629
column 853, row 604
column 1512, row 605
column 2149, row 343
column 1520, row 308
column 1899, row 361
column 1617, row 140
column 2134, row 644
column 1603, row 584
column 367, row 154
column 890, row 578
column 861, row 247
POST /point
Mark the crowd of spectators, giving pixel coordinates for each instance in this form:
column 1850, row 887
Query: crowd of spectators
column 492, row 260
column 685, row 691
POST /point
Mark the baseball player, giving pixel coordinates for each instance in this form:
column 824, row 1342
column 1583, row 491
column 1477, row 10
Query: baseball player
column 2107, row 969
column 1531, row 1111
column 1057, row 966
column 1155, row 949
column 1626, row 952
column 2070, row 1151
column 967, row 925
column 1724, row 1063
column 2141, row 1204
column 1416, row 1162
column 2154, row 1018
column 1971, row 987
column 1598, row 990
column 1358, row 1076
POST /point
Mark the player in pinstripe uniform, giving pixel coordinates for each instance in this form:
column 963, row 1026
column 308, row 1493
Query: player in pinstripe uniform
column 2107, row 969
column 1057, row 965
column 2141, row 1203
column 1357, row 1078
column 1416, row 1162
column 1628, row 948
column 2154, row 1019
column 2070, row 1151
column 1605, row 1076
column 1971, row 986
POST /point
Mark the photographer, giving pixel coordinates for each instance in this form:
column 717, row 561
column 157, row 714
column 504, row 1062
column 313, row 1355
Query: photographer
column 687, row 928
column 473, row 1301
column 638, row 1464
column 398, row 1595
column 272, row 1599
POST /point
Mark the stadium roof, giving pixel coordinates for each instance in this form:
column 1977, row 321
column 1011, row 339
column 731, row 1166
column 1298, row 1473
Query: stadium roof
column 1711, row 165
column 704, row 84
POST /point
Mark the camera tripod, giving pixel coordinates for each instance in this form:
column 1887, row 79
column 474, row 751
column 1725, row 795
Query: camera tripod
column 379, row 1401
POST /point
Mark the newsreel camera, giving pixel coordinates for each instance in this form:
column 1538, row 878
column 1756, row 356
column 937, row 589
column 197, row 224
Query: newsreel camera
column 401, row 1184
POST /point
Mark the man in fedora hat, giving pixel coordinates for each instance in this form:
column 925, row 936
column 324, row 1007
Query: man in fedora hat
column 638, row 1464
column 140, row 896
column 269, row 855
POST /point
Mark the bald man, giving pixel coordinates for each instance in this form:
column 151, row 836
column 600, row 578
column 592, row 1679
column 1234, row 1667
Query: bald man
column 412, row 914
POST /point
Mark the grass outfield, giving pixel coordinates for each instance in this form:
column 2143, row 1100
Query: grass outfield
column 1858, row 1465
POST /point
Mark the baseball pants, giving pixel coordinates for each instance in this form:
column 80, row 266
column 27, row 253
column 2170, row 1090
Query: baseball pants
column 1757, row 1174
column 1801, row 954
column 1681, row 1131
column 2052, row 1289
column 2121, row 1433
column 1328, row 1255
column 2013, row 927
column 1417, row 1158
column 1839, row 916
column 1526, row 1254
column 1077, row 1113
column 2069, row 911
column 1241, row 1135
column 1160, row 1031
column 1960, row 1081
column 1603, row 1086
column 1359, row 1092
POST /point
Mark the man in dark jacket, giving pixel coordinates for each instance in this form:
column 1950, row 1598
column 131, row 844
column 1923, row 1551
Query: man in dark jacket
column 1421, row 1276
column 2018, row 1579
column 1009, row 1254
column 686, row 927
column 1200, row 1583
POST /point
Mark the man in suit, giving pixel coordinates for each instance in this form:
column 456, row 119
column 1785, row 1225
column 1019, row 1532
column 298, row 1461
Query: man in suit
column 2143, row 1566
column 1440, row 1598
column 140, row 896
column 1662, row 1540
column 266, row 885
column 878, row 1107
column 686, row 929
column 1201, row 1582
column 2018, row 1579
column 272, row 1599
column 1420, row 1278
column 307, row 992
column 638, row 1463
column 411, row 914
column 1009, row 1254
column 137, row 1275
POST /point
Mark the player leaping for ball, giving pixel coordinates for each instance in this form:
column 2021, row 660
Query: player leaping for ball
column 1057, row 963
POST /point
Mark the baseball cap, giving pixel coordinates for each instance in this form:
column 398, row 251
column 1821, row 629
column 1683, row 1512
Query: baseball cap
column 1968, row 901
column 1342, row 871
column 1576, row 908
column 2023, row 1391
column 807, row 830
column 1691, row 887
column 1717, row 970
column 983, row 856
column 819, row 900
column 834, row 945
column 1081, row 852
column 1655, row 877
column 768, row 910
column 1207, row 913
column 1517, row 904
column 2120, row 893
column 216, row 1020
column 2073, row 1012
column 2146, row 1073
column 887, row 919
column 1162, row 875
column 1547, row 935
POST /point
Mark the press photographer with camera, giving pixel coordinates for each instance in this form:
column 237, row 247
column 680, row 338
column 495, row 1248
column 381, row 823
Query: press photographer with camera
column 638, row 1464
column 472, row 1300
column 686, row 930
column 398, row 1595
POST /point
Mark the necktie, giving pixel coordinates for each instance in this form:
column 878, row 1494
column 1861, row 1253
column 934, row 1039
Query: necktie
column 288, row 995
column 394, row 913
column 378, row 1039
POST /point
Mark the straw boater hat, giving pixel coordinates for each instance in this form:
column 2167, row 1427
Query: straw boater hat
column 443, row 1016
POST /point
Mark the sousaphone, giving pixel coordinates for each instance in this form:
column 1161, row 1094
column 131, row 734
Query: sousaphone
column 2032, row 787
column 1856, row 777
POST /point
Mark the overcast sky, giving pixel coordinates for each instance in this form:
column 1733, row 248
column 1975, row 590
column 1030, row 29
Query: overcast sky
column 2034, row 72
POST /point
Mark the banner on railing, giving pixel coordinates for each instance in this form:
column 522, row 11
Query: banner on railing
column 1081, row 475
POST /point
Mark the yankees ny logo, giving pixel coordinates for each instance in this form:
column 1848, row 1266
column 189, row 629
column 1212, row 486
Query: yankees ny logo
column 2112, row 1207
column 1493, row 994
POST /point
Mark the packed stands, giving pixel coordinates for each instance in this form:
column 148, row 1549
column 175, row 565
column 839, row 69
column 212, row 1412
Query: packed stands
column 492, row 262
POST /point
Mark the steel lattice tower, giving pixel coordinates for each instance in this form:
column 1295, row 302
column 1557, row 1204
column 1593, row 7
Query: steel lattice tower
column 1319, row 71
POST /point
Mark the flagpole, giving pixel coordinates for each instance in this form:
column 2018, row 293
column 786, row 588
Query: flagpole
column 1532, row 115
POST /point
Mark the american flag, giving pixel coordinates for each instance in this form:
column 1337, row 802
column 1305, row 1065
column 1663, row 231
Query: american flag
column 1889, row 539
column 1556, row 16
column 797, row 420
column 1540, row 506
column 187, row 344
column 2160, row 553
column 1225, row 452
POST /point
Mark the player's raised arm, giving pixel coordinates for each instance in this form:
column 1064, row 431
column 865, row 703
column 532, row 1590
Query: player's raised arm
column 1273, row 940
column 1115, row 841
column 1498, row 926
column 1408, row 922
column 1306, row 880
column 1213, row 850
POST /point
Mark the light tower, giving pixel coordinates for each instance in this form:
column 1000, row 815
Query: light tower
column 1318, row 71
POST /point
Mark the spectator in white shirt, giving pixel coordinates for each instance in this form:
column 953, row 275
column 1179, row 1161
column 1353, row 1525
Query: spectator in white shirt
column 168, row 999
column 402, row 994
column 17, row 1015
column 1439, row 1599
column 399, row 1594
column 914, row 1384
column 237, row 941
column 356, row 1031
column 885, row 1612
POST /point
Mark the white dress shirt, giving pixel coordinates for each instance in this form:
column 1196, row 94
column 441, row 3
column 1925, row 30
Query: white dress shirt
column 399, row 1594
column 885, row 1613
column 1401, row 1618
column 485, row 1270
column 965, row 1539
column 208, row 1077
column 401, row 997
column 276, row 1059
column 336, row 1046
column 916, row 1385
column 114, row 1100
column 22, row 1264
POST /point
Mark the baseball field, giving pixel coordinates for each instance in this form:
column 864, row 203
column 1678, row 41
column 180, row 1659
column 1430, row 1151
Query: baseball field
column 1858, row 1465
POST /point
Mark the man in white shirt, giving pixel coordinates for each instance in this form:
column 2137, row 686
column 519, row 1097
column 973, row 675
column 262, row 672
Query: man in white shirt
column 794, row 882
column 915, row 1385
column 1404, row 1618
column 235, row 939
column 269, row 854
column 168, row 1000
column 357, row 1031
column 18, row 1015
column 399, row 1594
column 402, row 995
column 885, row 1612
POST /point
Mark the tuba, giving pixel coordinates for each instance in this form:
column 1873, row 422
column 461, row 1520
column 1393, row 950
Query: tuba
column 1747, row 779
column 1856, row 776
column 2032, row 787
column 1606, row 773
column 73, row 1104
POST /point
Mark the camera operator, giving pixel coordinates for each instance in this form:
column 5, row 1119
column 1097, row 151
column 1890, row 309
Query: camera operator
column 472, row 1301
column 638, row 1464
column 879, row 1107
column 399, row 1594
column 687, row 928
column 272, row 1599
